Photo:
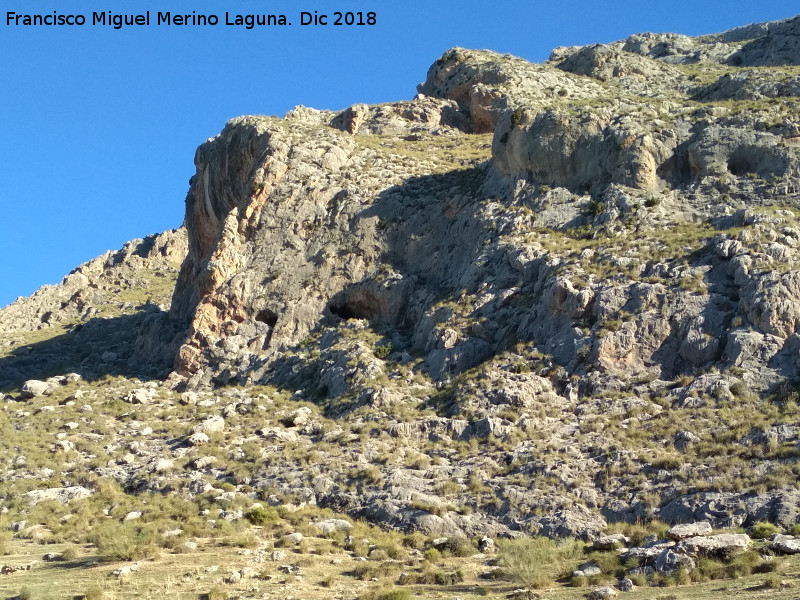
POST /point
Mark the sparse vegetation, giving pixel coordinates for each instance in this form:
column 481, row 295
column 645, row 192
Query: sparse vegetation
column 538, row 562
column 559, row 351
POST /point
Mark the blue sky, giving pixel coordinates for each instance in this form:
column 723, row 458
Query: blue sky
column 100, row 125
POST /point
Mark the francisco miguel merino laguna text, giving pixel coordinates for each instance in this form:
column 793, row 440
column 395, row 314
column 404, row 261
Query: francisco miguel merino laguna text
column 248, row 21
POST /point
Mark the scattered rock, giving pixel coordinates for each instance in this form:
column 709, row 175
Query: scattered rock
column 608, row 543
column 681, row 532
column 289, row 569
column 784, row 544
column 486, row 545
column 294, row 538
column 62, row 494
column 163, row 465
column 329, row 526
column 589, row 569
column 34, row 388
column 625, row 585
column 198, row 439
column 213, row 424
column 723, row 545
column 602, row 593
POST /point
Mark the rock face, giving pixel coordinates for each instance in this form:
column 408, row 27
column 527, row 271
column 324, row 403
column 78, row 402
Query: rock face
column 534, row 298
column 320, row 229
column 681, row 532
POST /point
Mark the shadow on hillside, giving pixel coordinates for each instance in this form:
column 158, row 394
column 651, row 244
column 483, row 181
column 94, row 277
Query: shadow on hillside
column 137, row 345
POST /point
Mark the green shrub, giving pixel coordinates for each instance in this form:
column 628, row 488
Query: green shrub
column 767, row 566
column 537, row 562
column 608, row 562
column 25, row 594
column 366, row 571
column 458, row 546
column 743, row 564
column 595, row 208
column 95, row 592
column 638, row 580
column 762, row 530
column 69, row 554
column 432, row 555
column 773, row 582
column 578, row 581
column 383, row 350
column 217, row 593
column 260, row 515
column 123, row 541
column 682, row 576
column 711, row 569
column 444, row 578
column 393, row 594
column 414, row 540
column 378, row 554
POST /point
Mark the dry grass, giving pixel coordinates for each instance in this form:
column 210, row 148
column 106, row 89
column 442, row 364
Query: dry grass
column 189, row 576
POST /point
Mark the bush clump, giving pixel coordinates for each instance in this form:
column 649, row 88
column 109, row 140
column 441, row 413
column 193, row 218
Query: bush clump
column 773, row 582
column 123, row 541
column 762, row 530
column 94, row 592
column 457, row 546
column 260, row 515
column 393, row 594
column 538, row 562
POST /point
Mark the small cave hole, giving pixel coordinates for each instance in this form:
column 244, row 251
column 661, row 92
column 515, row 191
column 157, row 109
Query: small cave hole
column 356, row 304
column 739, row 165
column 344, row 310
column 268, row 317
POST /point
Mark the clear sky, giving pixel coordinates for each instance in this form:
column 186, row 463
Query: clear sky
column 99, row 126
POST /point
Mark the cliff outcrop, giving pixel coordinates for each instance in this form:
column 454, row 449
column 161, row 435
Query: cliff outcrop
column 568, row 290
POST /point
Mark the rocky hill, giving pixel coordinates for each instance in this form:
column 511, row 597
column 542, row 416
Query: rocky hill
column 537, row 298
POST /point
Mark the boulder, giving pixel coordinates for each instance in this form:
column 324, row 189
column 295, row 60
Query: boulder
column 588, row 569
column 198, row 439
column 213, row 424
column 34, row 388
column 720, row 546
column 606, row 543
column 784, row 544
column 329, row 526
column 163, row 465
column 486, row 545
column 646, row 554
column 625, row 585
column 681, row 532
column 140, row 396
column 602, row 593
column 297, row 417
column 669, row 561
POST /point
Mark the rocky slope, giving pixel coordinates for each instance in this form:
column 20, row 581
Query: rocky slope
column 535, row 298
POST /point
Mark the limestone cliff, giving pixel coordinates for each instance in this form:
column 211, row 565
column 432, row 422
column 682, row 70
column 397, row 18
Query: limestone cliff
column 567, row 290
column 626, row 241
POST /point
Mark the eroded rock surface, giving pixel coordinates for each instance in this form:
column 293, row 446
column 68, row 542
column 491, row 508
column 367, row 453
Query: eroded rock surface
column 533, row 298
